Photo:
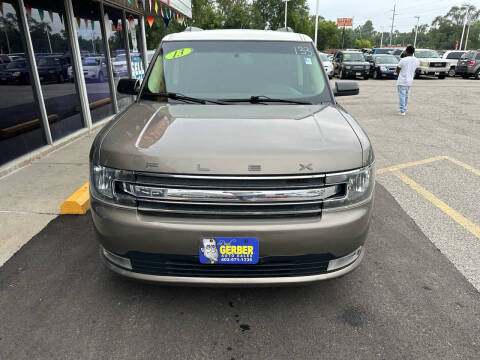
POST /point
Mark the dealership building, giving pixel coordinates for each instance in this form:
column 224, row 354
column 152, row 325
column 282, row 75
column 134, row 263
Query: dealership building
column 60, row 61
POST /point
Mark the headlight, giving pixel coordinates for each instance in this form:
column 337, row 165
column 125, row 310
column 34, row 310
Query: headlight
column 347, row 67
column 383, row 68
column 359, row 185
column 17, row 73
column 104, row 183
column 423, row 63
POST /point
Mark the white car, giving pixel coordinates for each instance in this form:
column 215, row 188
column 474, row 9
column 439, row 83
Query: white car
column 94, row 68
column 452, row 57
column 120, row 67
column 327, row 64
column 431, row 64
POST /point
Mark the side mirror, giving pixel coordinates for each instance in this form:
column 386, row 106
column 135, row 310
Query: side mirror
column 128, row 86
column 346, row 88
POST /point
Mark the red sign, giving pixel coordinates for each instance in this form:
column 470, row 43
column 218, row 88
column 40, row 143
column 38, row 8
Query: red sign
column 344, row 22
column 456, row 44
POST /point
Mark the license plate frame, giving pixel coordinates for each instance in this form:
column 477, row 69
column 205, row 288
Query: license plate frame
column 358, row 74
column 229, row 250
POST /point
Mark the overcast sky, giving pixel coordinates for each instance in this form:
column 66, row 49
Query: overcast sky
column 379, row 11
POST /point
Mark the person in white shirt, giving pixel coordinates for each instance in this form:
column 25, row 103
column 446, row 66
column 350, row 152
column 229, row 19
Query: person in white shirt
column 406, row 69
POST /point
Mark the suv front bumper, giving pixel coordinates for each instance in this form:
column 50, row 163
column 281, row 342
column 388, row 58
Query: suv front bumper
column 337, row 233
column 423, row 70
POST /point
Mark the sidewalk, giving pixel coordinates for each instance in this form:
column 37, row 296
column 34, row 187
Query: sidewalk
column 31, row 196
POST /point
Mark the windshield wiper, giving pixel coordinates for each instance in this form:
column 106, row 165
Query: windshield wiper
column 263, row 99
column 181, row 97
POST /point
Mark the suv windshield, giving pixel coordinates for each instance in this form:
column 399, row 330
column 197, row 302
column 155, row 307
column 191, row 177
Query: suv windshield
column 422, row 54
column 323, row 57
column 238, row 70
column 353, row 57
column 387, row 60
column 17, row 64
column 90, row 62
column 47, row 61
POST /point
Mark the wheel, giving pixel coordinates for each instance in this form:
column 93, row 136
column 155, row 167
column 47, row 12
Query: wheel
column 100, row 77
column 341, row 75
column 61, row 79
column 451, row 72
column 417, row 75
column 477, row 75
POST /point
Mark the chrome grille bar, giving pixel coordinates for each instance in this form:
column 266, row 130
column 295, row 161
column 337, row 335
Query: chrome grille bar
column 231, row 196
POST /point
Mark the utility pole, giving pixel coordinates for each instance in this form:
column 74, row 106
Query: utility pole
column 463, row 31
column 316, row 24
column 285, row 1
column 468, row 31
column 8, row 40
column 393, row 21
column 416, row 31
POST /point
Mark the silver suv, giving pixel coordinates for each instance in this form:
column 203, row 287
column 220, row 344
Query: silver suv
column 235, row 166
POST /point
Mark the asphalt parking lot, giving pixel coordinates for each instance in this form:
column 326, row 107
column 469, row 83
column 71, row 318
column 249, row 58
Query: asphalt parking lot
column 416, row 295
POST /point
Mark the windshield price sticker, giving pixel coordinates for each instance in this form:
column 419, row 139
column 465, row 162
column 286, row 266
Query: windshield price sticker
column 178, row 53
column 302, row 50
column 308, row 61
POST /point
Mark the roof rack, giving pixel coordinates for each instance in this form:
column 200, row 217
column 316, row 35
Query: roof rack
column 285, row 29
column 193, row 28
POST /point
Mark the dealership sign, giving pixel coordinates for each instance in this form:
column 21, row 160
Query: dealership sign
column 344, row 22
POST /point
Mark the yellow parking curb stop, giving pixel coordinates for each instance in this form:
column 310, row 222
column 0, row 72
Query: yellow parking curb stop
column 78, row 203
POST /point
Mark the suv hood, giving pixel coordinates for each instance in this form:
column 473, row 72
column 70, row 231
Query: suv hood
column 230, row 139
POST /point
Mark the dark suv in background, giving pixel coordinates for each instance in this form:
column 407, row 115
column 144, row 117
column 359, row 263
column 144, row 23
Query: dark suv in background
column 350, row 64
column 469, row 65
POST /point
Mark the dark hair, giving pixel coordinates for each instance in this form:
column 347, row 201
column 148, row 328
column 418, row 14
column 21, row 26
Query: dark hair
column 410, row 49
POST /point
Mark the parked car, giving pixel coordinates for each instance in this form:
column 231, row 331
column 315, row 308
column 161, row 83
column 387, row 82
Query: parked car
column 350, row 64
column 327, row 64
column 452, row 57
column 431, row 64
column 120, row 67
column 16, row 72
column 94, row 68
column 383, row 50
column 383, row 66
column 52, row 68
column 233, row 169
column 469, row 65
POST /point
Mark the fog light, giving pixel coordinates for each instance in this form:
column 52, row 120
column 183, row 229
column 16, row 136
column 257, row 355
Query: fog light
column 344, row 261
column 117, row 260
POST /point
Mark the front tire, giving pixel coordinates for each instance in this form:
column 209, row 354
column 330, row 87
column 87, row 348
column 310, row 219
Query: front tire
column 451, row 72
column 477, row 75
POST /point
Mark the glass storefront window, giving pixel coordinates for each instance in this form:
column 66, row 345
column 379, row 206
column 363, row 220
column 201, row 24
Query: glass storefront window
column 21, row 129
column 87, row 21
column 50, row 42
column 118, row 52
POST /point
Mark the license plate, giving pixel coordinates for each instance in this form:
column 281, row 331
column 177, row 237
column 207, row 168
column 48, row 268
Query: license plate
column 359, row 73
column 437, row 73
column 229, row 250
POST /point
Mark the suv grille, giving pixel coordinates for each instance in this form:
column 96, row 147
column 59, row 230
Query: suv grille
column 438, row 64
column 230, row 196
column 269, row 266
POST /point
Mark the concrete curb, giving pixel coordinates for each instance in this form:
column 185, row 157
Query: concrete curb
column 78, row 203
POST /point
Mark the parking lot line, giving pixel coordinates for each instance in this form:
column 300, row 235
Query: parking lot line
column 409, row 164
column 462, row 164
column 455, row 215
